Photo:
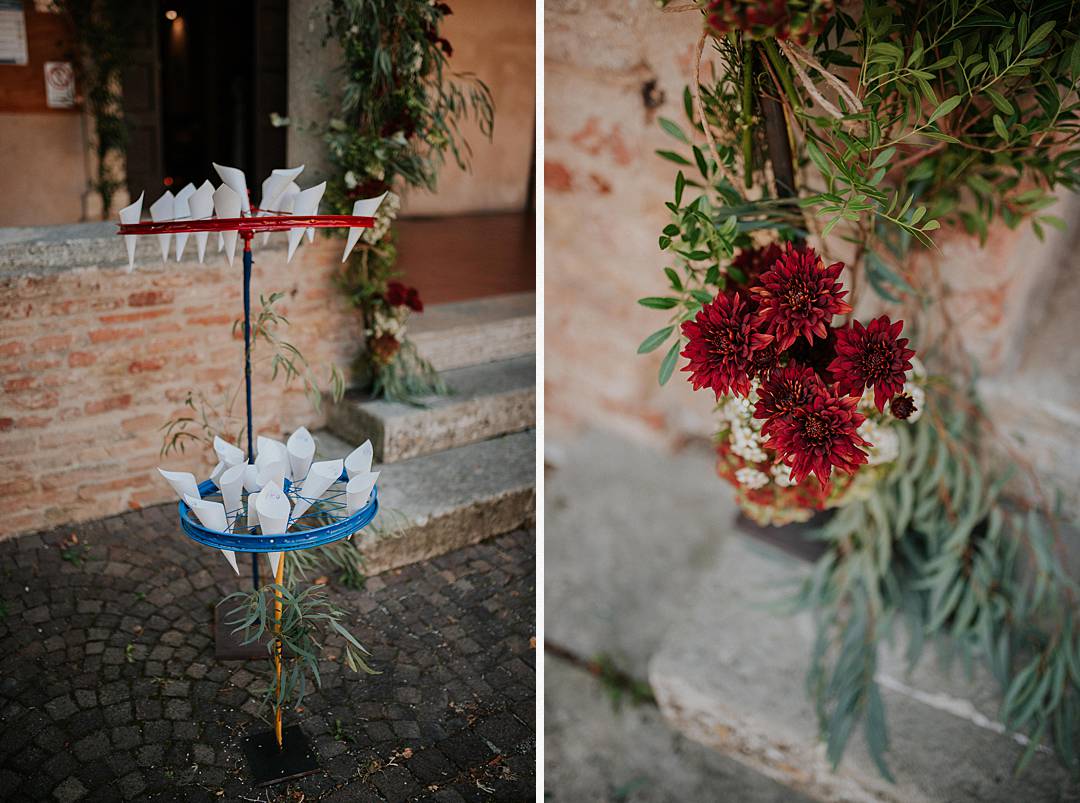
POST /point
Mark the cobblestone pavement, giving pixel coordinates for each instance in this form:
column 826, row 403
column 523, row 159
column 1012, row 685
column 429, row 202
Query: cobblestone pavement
column 109, row 689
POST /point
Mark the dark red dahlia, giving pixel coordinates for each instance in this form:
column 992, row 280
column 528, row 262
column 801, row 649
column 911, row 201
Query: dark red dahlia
column 799, row 296
column 902, row 407
column 817, row 355
column 396, row 294
column 764, row 361
column 412, row 300
column 787, row 391
column 761, row 19
column 722, row 344
column 820, row 436
column 872, row 356
column 752, row 262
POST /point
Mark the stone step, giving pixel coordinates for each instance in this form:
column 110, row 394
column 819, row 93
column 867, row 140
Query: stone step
column 463, row 333
column 731, row 674
column 440, row 502
column 487, row 400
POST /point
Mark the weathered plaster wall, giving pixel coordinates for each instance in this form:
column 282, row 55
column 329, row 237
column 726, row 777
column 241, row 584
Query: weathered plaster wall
column 94, row 360
column 605, row 189
column 495, row 39
column 43, row 164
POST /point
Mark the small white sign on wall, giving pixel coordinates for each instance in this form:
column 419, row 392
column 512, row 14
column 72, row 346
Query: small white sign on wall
column 13, row 49
column 59, row 85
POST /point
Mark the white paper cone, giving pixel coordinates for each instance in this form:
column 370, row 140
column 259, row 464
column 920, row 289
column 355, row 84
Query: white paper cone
column 252, row 512
column 219, row 469
column 182, row 210
column 273, row 509
column 320, row 477
column 359, row 460
column 129, row 215
column 182, row 482
column 284, row 204
column 231, row 557
column 274, row 187
column 232, row 491
column 226, row 205
column 237, row 182
column 251, row 479
column 273, row 557
column 272, row 475
column 365, row 207
column 301, row 448
column 220, row 242
column 161, row 211
column 358, row 491
column 201, row 206
column 307, row 203
column 268, row 450
column 227, row 453
column 212, row 516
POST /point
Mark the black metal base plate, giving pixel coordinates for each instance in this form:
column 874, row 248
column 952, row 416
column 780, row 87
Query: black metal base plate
column 270, row 766
column 229, row 646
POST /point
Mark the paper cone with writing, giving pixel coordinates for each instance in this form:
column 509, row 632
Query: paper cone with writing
column 232, row 490
column 301, row 448
column 359, row 460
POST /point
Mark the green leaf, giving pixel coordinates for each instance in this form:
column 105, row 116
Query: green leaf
column 702, row 162
column 999, row 127
column 680, row 185
column 667, row 366
column 999, row 101
column 702, row 296
column 674, row 130
column 883, row 158
column 673, row 277
column 1040, row 33
column 657, row 302
column 671, row 156
column 946, row 106
column 655, row 340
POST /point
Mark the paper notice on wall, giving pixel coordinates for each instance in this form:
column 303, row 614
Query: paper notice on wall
column 59, row 85
column 13, row 49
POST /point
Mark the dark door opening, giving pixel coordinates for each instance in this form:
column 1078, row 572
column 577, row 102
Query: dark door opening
column 202, row 89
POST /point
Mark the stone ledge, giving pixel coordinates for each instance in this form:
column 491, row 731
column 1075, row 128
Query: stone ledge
column 464, row 333
column 732, row 675
column 451, row 499
column 486, row 401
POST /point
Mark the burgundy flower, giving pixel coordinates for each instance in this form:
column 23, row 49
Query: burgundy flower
column 412, row 300
column 817, row 355
column 396, row 294
column 764, row 361
column 787, row 391
column 761, row 19
column 752, row 262
column 872, row 356
column 819, row 437
column 799, row 296
column 902, row 407
column 722, row 343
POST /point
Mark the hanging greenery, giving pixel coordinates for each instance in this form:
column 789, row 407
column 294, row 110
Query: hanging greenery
column 400, row 116
column 103, row 32
column 871, row 132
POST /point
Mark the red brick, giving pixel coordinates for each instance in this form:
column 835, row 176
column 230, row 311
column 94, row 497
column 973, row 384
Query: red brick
column 111, row 403
column 106, row 335
column 32, row 422
column 52, row 343
column 6, row 424
column 128, row 317
column 77, row 359
column 557, row 177
column 207, row 320
column 150, row 298
column 22, row 383
column 145, row 366
column 12, row 349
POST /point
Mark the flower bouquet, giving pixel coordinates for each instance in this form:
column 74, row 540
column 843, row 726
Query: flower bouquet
column 792, row 388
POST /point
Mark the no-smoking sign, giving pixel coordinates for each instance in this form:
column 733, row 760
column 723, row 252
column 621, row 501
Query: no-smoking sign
column 59, row 85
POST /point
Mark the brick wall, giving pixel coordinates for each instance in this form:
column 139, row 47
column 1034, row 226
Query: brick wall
column 93, row 360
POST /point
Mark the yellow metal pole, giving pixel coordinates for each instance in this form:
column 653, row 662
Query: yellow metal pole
column 279, row 579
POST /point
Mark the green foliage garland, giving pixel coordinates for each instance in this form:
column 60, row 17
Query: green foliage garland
column 400, row 116
column 903, row 119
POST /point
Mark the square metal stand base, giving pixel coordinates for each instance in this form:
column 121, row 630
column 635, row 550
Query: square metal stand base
column 229, row 646
column 270, row 766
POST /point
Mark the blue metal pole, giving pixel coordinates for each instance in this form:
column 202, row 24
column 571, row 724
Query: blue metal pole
column 247, row 376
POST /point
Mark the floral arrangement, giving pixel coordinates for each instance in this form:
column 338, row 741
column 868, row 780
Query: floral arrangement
column 401, row 108
column 791, row 388
column 868, row 131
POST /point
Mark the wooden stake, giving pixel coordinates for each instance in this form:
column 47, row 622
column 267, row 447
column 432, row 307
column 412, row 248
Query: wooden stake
column 280, row 580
